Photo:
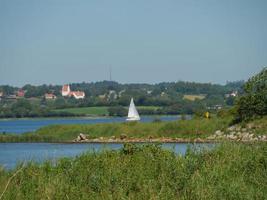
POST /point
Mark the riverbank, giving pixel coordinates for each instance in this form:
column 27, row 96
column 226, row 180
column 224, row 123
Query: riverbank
column 183, row 130
column 194, row 130
column 228, row 171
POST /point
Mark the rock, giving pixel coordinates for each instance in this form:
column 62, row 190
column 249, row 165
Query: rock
column 211, row 137
column 232, row 137
column 250, row 126
column 101, row 138
column 231, row 128
column 113, row 137
column 243, row 129
column 219, row 133
column 78, row 139
column 264, row 137
column 82, row 136
column 123, row 136
column 198, row 140
column 239, row 134
column 232, row 133
column 238, row 128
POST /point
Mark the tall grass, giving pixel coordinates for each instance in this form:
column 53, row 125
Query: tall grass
column 230, row 171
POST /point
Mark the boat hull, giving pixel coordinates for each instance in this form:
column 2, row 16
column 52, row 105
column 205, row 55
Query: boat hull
column 133, row 119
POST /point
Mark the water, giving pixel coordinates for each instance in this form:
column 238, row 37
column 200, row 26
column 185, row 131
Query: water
column 19, row 126
column 13, row 153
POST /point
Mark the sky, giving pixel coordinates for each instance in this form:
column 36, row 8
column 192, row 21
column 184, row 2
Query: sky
column 141, row 41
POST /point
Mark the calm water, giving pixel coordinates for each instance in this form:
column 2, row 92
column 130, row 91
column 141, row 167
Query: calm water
column 13, row 153
column 27, row 125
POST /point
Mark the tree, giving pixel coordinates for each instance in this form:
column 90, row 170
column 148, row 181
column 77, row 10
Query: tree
column 254, row 101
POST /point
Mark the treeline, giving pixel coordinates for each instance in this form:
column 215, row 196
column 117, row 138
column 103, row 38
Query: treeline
column 168, row 96
column 24, row 108
column 171, row 89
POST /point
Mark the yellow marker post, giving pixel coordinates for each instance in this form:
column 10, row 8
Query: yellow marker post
column 207, row 115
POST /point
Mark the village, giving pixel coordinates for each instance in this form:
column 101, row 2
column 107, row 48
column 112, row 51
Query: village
column 65, row 92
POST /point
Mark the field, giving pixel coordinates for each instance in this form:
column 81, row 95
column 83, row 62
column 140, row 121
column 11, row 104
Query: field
column 188, row 129
column 194, row 97
column 97, row 110
column 229, row 171
column 85, row 110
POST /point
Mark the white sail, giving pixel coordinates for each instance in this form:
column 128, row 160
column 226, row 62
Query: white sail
column 132, row 113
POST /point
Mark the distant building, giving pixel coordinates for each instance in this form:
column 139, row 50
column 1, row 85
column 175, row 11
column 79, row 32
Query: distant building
column 77, row 94
column 1, row 94
column 215, row 107
column 20, row 93
column 50, row 96
column 232, row 94
column 12, row 96
column 66, row 92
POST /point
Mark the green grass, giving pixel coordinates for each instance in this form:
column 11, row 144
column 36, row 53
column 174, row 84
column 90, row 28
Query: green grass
column 98, row 110
column 189, row 129
column 260, row 126
column 148, row 107
column 230, row 171
column 194, row 97
column 85, row 110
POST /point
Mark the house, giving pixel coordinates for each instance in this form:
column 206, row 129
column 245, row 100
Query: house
column 11, row 96
column 20, row 93
column 65, row 90
column 50, row 96
column 77, row 94
column 1, row 94
column 232, row 94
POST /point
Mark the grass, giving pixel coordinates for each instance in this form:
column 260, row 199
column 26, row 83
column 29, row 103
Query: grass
column 85, row 110
column 194, row 97
column 189, row 129
column 98, row 110
column 260, row 126
column 230, row 171
column 152, row 108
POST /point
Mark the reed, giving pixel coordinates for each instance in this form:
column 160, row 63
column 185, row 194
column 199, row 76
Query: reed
column 229, row 171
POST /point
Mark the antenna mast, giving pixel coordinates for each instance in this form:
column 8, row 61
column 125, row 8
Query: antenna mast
column 110, row 75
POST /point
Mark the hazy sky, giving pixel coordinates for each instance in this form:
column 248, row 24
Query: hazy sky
column 62, row 41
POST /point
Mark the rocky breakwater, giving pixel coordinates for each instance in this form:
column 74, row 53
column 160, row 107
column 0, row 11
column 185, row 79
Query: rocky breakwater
column 123, row 138
column 238, row 133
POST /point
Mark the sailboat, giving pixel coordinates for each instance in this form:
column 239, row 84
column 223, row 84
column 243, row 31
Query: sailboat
column 132, row 113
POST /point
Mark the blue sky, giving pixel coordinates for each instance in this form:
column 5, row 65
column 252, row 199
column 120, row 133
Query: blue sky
column 148, row 41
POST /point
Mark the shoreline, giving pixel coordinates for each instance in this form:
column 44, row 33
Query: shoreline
column 139, row 141
column 84, row 116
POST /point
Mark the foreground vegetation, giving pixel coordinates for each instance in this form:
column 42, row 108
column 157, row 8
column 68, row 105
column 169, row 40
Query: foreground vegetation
column 229, row 171
column 189, row 129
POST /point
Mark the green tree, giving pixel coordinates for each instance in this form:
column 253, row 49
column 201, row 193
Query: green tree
column 254, row 101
